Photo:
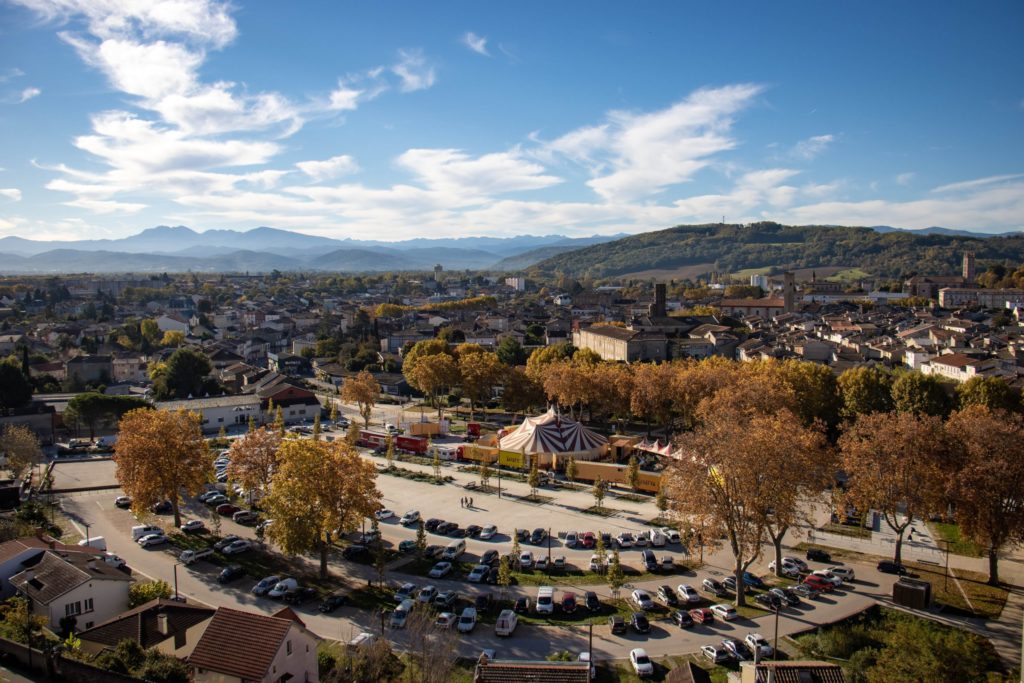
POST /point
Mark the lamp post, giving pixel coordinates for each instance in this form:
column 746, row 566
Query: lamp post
column 176, row 580
column 775, row 649
column 498, row 463
column 945, row 578
column 86, row 525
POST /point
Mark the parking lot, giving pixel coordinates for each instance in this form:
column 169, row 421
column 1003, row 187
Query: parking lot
column 83, row 474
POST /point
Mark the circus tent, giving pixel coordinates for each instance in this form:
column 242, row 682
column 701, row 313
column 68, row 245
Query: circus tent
column 553, row 434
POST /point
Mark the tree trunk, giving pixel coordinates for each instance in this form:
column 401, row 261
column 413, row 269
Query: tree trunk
column 777, row 542
column 741, row 593
column 177, row 511
column 323, row 559
column 993, row 566
column 899, row 547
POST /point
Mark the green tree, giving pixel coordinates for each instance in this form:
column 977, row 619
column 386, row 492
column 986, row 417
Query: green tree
column 185, row 374
column 661, row 502
column 15, row 388
column 921, row 651
column 421, row 537
column 570, row 470
column 511, row 352
column 598, row 490
column 533, row 480
column 485, row 473
column 601, row 553
column 920, row 394
column 516, row 549
column 504, row 576
column 616, row 576
column 162, row 668
column 633, row 473
column 865, row 390
column 992, row 392
column 142, row 592
column 98, row 411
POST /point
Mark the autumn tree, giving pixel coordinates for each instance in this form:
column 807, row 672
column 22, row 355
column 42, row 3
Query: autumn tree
column 20, row 447
column 533, row 478
column 651, row 398
column 421, row 350
column 364, row 391
column 916, row 392
column 161, row 455
column 864, row 390
column 521, row 392
column 318, row 489
column 598, row 491
column 173, row 338
column 254, row 459
column 814, row 389
column 991, row 392
column 389, row 453
column 545, row 355
column 434, row 373
column 480, row 374
column 987, row 479
column 895, row 465
column 485, row 473
column 571, row 470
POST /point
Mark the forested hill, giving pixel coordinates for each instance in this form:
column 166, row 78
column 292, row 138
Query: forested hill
column 731, row 248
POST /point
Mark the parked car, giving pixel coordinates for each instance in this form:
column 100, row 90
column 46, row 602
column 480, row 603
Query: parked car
column 401, row 614
column 478, row 573
column 406, row 546
column 591, row 601
column 640, row 622
column 230, row 573
column 642, row 599
column 427, row 594
column 806, row 591
column 617, row 624
column 152, row 539
column 559, row 563
column 246, row 517
column 819, row 584
column 818, row 555
column 353, row 552
column 641, row 663
column 752, row 580
column 282, row 587
column 667, row 596
column 440, row 570
column 845, row 573
column 786, row 595
column 433, row 551
column 123, row 502
column 331, row 603
column 702, row 615
column 796, row 561
column 737, row 649
column 717, row 655
column 300, row 595
column 162, row 508
column 193, row 526
column 190, row 555
column 827, row 576
column 488, row 532
column 671, row 535
column 409, row 518
column 588, row 540
column 568, row 603
column 538, row 536
column 890, row 567
column 769, row 600
column 541, row 564
column 625, row 540
column 225, row 542
column 227, row 509
column 431, row 524
column 682, row 619
column 687, row 593
column 788, row 569
column 522, row 605
column 383, row 514
column 526, row 560
column 445, row 620
column 405, row 591
column 493, row 575
column 484, row 602
column 473, row 530
column 758, row 643
column 239, row 546
column 445, row 598
column 467, row 620
column 714, row 587
column 724, row 611
column 570, row 539
column 217, row 498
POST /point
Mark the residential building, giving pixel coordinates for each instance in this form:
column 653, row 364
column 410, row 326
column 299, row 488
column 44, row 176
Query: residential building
column 954, row 297
column 622, row 344
column 219, row 411
column 788, row 672
column 90, row 369
column 171, row 627
column 243, row 647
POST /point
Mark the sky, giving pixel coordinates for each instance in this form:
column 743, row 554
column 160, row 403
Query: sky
column 393, row 120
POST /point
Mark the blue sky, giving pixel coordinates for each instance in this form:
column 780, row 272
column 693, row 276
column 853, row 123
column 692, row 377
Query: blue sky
column 403, row 119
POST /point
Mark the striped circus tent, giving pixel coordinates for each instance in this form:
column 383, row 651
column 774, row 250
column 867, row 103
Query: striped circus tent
column 552, row 434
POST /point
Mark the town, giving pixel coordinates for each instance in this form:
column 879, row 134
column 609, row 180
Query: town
column 463, row 476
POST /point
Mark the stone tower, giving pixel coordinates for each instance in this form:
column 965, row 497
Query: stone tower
column 788, row 291
column 968, row 266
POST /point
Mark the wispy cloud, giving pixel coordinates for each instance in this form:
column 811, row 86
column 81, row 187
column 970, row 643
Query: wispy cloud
column 413, row 71
column 11, row 193
column 904, row 179
column 477, row 44
column 329, row 168
column 28, row 93
column 811, row 147
column 980, row 182
column 10, row 74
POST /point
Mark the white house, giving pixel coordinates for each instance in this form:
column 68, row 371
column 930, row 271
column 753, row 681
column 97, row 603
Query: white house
column 17, row 554
column 241, row 646
column 172, row 323
column 219, row 411
column 73, row 584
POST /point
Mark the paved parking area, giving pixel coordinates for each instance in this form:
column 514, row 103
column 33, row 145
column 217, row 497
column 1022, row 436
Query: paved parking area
column 82, row 474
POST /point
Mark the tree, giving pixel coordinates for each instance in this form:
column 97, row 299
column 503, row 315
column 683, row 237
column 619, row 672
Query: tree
column 353, row 434
column 421, row 537
column 919, row 650
column 864, row 390
column 149, row 330
column 161, row 455
column 599, row 489
column 436, row 462
column 545, row 355
column 19, row 623
column 633, row 473
column 364, row 391
column 15, row 388
column 570, row 470
column 650, row 399
column 432, row 374
column 661, row 502
column 510, row 352
column 163, row 668
column 97, row 411
column 921, row 394
column 480, row 373
column 316, row 427
column 504, row 576
column 521, row 392
column 533, row 479
column 419, row 351
column 20, row 446
column 432, row 650
column 814, row 389
column 334, row 412
column 895, row 463
column 517, row 551
column 616, row 576
column 319, row 488
column 279, row 421
column 601, row 553
column 142, row 592
column 991, row 392
column 485, row 473
column 173, row 338
column 254, row 459
column 389, row 454
column 183, row 375
column 987, row 479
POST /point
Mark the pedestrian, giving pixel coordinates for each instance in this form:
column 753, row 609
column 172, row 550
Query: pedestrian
column 471, row 502
column 462, row 502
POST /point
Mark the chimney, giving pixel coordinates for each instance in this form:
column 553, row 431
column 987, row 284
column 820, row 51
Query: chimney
column 161, row 624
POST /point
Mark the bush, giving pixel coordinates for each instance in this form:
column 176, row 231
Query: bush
column 325, row 662
column 142, row 592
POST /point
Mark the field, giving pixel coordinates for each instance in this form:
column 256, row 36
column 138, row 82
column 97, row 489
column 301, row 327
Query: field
column 679, row 273
column 957, row 544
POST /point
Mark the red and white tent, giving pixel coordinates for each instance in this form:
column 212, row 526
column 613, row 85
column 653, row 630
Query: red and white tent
column 554, row 434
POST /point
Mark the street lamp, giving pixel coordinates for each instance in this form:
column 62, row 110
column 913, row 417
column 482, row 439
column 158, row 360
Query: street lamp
column 498, row 463
column 775, row 649
column 945, row 578
column 176, row 581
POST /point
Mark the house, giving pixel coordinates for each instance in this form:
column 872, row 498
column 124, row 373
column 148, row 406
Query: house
column 622, row 344
column 172, row 323
column 297, row 405
column 73, row 584
column 788, row 672
column 171, row 627
column 518, row 671
column 18, row 554
column 85, row 369
column 239, row 646
column 218, row 411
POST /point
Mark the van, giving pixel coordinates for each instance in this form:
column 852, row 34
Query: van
column 97, row 542
column 545, row 600
column 190, row 556
column 506, row 624
column 145, row 530
column 454, row 550
column 401, row 614
column 467, row 620
column 658, row 539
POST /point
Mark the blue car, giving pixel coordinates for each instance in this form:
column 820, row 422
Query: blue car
column 752, row 581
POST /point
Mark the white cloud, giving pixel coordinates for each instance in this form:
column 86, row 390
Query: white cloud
column 344, row 98
column 904, row 179
column 811, row 147
column 28, row 93
column 329, row 168
column 413, row 71
column 103, row 206
column 980, row 182
column 10, row 73
column 11, row 193
column 477, row 44
column 453, row 172
column 636, row 155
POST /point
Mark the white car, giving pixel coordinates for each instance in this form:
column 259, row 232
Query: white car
column 687, row 593
column 478, row 574
column 152, row 539
column 844, row 573
column 723, row 611
column 671, row 535
column 440, row 570
column 625, row 540
column 282, row 587
column 467, row 620
column 236, row 547
column 788, row 569
column 595, row 563
column 718, row 655
column 488, row 532
column 570, row 539
column 113, row 560
column 827, row 575
column 123, row 502
column 410, row 517
column 427, row 594
column 642, row 599
column 445, row 620
column 526, row 559
column 641, row 663
column 641, row 540
column 193, row 525
column 383, row 514
column 758, row 643
column 800, row 564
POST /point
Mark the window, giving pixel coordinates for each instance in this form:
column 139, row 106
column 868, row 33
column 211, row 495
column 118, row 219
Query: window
column 288, row 647
column 88, row 624
column 72, row 609
column 220, row 419
column 88, row 604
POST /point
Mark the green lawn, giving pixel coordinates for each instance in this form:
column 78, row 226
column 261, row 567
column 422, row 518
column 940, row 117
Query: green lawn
column 957, row 544
column 987, row 600
column 849, row 275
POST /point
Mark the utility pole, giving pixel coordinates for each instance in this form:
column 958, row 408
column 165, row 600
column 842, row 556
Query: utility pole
column 498, row 463
column 549, row 550
column 176, row 580
column 86, row 525
column 590, row 646
column 775, row 650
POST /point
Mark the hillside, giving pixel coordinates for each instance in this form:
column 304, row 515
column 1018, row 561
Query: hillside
column 731, row 248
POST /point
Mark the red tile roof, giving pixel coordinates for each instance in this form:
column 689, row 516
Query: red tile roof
column 240, row 644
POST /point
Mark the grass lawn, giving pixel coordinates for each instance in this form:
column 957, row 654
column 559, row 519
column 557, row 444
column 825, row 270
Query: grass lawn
column 849, row 275
column 847, row 530
column 957, row 544
column 600, row 511
column 987, row 600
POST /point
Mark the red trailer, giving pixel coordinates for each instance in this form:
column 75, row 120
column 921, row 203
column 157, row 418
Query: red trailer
column 416, row 444
column 373, row 439
column 473, row 428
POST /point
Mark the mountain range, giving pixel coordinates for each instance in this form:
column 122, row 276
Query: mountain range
column 182, row 249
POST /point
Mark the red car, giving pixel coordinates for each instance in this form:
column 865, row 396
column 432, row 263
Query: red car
column 588, row 540
column 568, row 602
column 818, row 584
column 227, row 509
column 702, row 615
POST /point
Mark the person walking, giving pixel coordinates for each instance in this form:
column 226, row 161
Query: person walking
column 471, row 501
